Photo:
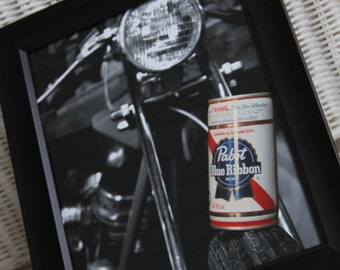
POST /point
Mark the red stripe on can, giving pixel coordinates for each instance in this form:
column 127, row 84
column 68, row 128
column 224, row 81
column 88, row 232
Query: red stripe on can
column 243, row 224
column 211, row 142
column 261, row 196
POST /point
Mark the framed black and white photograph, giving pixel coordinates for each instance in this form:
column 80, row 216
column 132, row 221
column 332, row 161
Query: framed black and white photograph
column 168, row 134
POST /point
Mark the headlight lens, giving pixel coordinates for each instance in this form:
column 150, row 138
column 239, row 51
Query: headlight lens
column 160, row 34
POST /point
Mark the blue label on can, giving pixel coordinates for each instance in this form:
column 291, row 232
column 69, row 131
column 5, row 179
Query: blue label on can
column 234, row 164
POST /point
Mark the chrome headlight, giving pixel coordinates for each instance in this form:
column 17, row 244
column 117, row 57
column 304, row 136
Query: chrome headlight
column 161, row 33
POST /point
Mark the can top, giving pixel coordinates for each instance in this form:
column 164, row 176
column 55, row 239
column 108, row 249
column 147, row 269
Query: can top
column 238, row 97
column 239, row 110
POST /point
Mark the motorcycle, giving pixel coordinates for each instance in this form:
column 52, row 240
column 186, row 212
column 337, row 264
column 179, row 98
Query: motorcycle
column 125, row 125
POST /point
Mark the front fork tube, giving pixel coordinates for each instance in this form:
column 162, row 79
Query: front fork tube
column 135, row 216
column 159, row 191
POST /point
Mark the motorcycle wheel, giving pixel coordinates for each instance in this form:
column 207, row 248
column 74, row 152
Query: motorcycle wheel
column 229, row 250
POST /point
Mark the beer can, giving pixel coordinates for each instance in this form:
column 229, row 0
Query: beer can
column 242, row 162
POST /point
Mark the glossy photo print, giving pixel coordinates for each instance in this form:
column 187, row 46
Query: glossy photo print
column 162, row 145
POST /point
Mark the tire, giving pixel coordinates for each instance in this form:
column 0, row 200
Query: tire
column 229, row 250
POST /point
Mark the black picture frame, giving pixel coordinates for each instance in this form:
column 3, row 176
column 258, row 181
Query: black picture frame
column 314, row 150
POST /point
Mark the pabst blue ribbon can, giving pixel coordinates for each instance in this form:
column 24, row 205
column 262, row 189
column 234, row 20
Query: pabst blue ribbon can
column 242, row 162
